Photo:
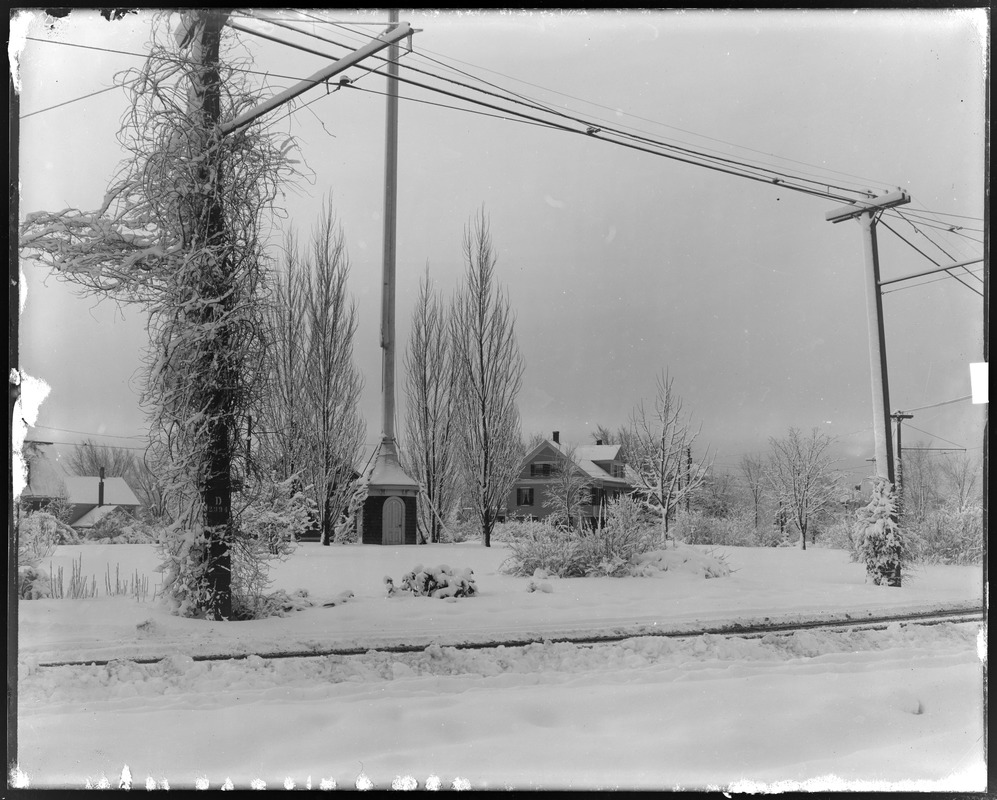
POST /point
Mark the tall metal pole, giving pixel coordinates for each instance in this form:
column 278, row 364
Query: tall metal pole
column 390, row 224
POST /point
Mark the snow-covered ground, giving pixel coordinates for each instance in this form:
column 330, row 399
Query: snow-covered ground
column 895, row 708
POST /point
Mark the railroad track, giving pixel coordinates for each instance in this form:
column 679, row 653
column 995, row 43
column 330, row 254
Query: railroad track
column 752, row 630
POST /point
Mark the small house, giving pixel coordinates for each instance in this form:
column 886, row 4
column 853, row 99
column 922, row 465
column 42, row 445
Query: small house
column 599, row 469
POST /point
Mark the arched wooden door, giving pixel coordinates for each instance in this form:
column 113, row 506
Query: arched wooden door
column 393, row 521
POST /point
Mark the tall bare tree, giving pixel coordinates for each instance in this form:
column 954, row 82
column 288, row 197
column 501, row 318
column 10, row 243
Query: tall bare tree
column 431, row 429
column 922, row 484
column 962, row 475
column 489, row 373
column 313, row 426
column 660, row 442
column 800, row 475
column 568, row 490
column 753, row 473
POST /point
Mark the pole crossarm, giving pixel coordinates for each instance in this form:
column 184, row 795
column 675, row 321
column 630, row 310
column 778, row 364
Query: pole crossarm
column 852, row 210
column 945, row 268
column 401, row 31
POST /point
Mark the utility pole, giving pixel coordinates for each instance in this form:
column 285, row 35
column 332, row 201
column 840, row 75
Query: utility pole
column 208, row 241
column 867, row 213
column 201, row 31
column 390, row 511
column 900, row 416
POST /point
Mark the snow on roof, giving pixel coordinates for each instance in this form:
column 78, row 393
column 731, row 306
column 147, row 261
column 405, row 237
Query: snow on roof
column 598, row 452
column 95, row 515
column 84, row 489
column 584, row 457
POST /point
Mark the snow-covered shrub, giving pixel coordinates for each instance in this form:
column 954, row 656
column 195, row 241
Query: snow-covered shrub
column 266, row 529
column 538, row 544
column 109, row 528
column 611, row 549
column 949, row 535
column 184, row 564
column 842, row 534
column 695, row 527
column 33, row 583
column 882, row 546
column 681, row 558
column 460, row 531
column 441, row 581
column 39, row 534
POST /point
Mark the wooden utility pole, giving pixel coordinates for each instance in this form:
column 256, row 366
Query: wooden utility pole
column 867, row 213
column 202, row 30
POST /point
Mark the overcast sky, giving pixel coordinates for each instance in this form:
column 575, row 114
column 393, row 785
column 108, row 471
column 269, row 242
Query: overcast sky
column 619, row 263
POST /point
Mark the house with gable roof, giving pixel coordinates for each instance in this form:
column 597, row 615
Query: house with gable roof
column 601, row 466
column 91, row 498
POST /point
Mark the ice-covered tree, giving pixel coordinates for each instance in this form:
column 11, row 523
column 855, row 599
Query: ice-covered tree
column 430, row 452
column 312, row 429
column 659, row 446
column 799, row 473
column 489, row 374
column 179, row 231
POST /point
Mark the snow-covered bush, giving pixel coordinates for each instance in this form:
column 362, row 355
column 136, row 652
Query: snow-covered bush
column 538, row 544
column 842, row 534
column 682, row 558
column 612, row 548
column 949, row 535
column 267, row 529
column 117, row 528
column 461, row 531
column 696, row 527
column 881, row 545
column 39, row 534
column 441, row 581
column 33, row 583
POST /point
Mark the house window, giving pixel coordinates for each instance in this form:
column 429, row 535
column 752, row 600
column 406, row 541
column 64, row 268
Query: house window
column 524, row 497
column 540, row 470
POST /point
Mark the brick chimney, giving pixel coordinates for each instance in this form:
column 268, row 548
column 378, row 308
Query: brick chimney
column 100, row 489
column 557, row 437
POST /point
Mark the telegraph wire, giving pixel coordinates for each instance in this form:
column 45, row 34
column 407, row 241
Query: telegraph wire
column 421, row 53
column 590, row 127
column 922, row 233
column 915, row 247
column 935, row 436
column 702, row 162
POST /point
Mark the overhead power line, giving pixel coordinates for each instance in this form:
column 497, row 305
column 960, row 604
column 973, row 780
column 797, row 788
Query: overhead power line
column 942, row 403
column 915, row 247
column 671, row 152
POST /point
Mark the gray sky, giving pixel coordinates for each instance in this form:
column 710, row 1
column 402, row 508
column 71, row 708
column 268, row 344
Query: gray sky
column 619, row 263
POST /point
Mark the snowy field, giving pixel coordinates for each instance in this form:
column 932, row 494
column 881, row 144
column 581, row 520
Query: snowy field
column 898, row 708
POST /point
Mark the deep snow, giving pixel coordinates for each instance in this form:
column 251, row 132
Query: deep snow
column 895, row 708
